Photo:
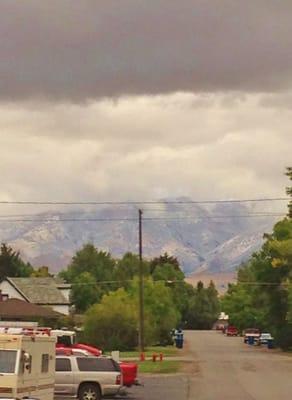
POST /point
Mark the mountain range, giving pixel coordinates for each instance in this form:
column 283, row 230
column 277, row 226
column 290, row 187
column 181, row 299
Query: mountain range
column 205, row 239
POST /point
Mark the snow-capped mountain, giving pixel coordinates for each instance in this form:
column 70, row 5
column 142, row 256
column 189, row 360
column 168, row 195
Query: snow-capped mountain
column 209, row 238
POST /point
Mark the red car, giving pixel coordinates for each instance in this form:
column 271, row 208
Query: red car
column 231, row 331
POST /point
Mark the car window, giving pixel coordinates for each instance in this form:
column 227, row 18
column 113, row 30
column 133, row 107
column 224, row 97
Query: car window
column 63, row 364
column 96, row 364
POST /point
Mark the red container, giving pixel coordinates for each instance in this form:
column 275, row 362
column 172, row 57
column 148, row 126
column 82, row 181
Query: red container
column 129, row 372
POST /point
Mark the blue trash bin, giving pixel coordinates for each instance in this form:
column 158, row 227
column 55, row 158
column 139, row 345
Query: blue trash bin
column 270, row 343
column 179, row 340
column 251, row 340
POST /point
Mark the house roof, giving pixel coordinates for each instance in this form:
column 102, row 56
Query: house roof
column 39, row 290
column 16, row 308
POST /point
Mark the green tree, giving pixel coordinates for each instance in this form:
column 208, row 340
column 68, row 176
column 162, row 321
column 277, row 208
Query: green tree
column 166, row 269
column 262, row 296
column 163, row 259
column 85, row 292
column 161, row 313
column 112, row 324
column 238, row 304
column 127, row 268
column 167, row 272
column 203, row 307
column 213, row 298
column 289, row 191
column 99, row 264
column 91, row 272
column 11, row 264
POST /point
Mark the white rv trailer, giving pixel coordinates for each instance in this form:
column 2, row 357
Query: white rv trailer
column 27, row 364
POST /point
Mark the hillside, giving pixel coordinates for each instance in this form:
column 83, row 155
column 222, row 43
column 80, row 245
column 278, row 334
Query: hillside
column 202, row 243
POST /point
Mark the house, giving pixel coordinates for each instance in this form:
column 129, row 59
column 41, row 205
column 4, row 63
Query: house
column 41, row 291
column 16, row 309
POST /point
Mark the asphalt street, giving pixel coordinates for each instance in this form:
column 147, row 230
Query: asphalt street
column 223, row 368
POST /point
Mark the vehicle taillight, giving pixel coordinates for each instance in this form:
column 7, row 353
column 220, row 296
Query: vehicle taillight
column 118, row 380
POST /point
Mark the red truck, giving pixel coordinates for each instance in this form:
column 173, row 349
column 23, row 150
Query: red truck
column 231, row 331
column 252, row 334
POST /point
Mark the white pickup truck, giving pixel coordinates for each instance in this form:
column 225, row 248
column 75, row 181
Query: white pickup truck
column 87, row 378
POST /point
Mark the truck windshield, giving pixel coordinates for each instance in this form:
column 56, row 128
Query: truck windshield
column 66, row 340
column 7, row 361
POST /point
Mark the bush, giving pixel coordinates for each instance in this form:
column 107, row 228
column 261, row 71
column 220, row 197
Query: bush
column 284, row 337
column 112, row 324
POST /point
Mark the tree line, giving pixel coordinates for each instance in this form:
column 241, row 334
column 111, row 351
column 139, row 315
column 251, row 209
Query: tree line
column 262, row 296
column 105, row 293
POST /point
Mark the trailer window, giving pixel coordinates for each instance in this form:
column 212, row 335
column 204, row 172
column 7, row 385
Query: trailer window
column 7, row 361
column 45, row 363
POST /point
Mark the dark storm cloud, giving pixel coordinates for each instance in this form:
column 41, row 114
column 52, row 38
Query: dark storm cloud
column 78, row 50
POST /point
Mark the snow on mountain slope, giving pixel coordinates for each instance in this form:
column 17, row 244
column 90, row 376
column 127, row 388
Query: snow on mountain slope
column 202, row 238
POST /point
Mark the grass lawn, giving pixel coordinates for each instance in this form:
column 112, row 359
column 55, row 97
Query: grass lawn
column 163, row 367
column 165, row 350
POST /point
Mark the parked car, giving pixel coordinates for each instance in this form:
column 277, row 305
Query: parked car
column 251, row 332
column 87, row 377
column 231, row 331
column 129, row 369
column 264, row 337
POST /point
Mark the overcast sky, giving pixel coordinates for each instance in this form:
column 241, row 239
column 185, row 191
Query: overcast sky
column 132, row 99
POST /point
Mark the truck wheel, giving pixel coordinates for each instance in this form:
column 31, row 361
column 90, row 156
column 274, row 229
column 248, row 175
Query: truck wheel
column 89, row 391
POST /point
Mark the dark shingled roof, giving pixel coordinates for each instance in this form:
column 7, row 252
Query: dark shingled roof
column 16, row 308
column 39, row 290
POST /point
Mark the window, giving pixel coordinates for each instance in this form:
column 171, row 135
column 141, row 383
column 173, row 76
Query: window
column 97, row 364
column 45, row 363
column 65, row 340
column 63, row 364
column 7, row 361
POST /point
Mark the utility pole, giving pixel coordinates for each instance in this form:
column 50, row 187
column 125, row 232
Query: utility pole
column 141, row 287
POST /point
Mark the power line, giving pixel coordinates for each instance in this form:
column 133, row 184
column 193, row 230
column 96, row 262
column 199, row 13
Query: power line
column 64, row 203
column 122, row 281
column 264, row 283
column 181, row 213
column 188, row 218
column 173, row 282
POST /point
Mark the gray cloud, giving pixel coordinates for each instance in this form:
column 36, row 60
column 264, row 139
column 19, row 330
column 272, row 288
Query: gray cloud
column 145, row 148
column 82, row 50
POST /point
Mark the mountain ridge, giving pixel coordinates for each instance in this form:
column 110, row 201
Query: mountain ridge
column 207, row 239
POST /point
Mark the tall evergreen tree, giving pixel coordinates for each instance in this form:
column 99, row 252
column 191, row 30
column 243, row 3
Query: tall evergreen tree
column 11, row 264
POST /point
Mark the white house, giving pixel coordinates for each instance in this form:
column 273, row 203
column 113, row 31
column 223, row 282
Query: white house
column 41, row 291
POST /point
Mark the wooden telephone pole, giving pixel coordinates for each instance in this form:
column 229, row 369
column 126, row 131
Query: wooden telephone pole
column 141, row 287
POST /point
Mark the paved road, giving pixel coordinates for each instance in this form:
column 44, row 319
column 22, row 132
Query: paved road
column 223, row 369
